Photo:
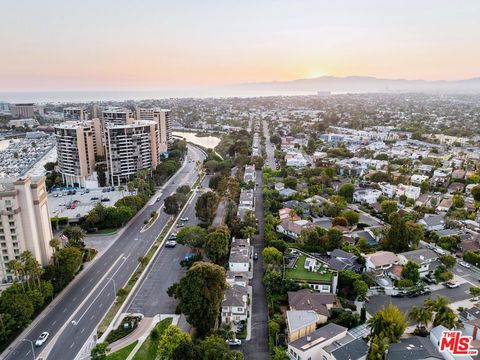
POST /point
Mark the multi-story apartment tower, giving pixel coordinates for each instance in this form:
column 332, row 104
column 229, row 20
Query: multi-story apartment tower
column 130, row 148
column 24, row 222
column 162, row 117
column 23, row 110
column 78, row 142
column 117, row 116
column 75, row 114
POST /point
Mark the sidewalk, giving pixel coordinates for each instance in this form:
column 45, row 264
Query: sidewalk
column 155, row 321
column 142, row 328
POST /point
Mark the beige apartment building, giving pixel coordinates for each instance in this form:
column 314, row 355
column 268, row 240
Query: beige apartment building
column 130, row 148
column 163, row 118
column 22, row 110
column 78, row 142
column 24, row 222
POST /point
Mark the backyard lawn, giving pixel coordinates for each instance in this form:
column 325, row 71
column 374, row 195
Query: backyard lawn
column 298, row 272
column 122, row 354
column 148, row 350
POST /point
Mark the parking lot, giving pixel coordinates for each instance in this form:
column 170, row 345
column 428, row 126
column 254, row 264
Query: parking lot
column 81, row 202
column 404, row 304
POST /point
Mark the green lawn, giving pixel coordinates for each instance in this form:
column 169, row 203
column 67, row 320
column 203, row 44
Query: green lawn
column 122, row 354
column 300, row 273
column 148, row 350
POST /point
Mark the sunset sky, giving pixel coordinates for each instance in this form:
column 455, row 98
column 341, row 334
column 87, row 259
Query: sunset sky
column 148, row 44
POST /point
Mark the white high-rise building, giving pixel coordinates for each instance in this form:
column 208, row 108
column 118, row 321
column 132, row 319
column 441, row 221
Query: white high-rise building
column 117, row 116
column 162, row 117
column 130, row 148
column 75, row 113
column 24, row 222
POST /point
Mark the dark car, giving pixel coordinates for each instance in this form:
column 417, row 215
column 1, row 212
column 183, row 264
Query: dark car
column 398, row 295
column 255, row 256
column 413, row 294
column 425, row 292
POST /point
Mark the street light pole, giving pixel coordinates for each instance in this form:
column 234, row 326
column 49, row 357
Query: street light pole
column 31, row 344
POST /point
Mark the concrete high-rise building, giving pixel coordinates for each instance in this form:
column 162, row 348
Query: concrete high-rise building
column 75, row 114
column 130, row 148
column 117, row 116
column 78, row 142
column 23, row 110
column 163, row 119
column 24, row 222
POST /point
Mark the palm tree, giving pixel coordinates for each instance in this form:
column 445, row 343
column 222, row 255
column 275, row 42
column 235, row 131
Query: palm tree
column 16, row 268
column 444, row 314
column 421, row 316
column 248, row 232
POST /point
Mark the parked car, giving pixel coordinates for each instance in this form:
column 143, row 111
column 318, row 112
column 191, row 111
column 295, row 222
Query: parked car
column 104, row 199
column 398, row 295
column 180, row 224
column 94, row 198
column 452, row 284
column 425, row 292
column 184, row 218
column 171, row 243
column 234, row 342
column 42, row 338
column 173, row 236
column 255, row 256
column 465, row 264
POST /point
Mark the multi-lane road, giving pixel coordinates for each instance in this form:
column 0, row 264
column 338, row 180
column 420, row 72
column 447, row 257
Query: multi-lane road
column 151, row 296
column 73, row 317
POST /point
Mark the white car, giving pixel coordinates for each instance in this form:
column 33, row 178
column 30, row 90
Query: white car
column 464, row 264
column 184, row 218
column 234, row 342
column 171, row 243
column 42, row 338
column 452, row 285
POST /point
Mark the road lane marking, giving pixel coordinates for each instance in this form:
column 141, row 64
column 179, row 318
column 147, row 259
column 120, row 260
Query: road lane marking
column 71, row 346
column 81, row 332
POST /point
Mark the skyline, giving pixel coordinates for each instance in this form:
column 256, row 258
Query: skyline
column 117, row 45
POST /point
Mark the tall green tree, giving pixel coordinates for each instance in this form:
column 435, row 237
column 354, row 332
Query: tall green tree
column 346, row 191
column 271, row 256
column 410, row 271
column 200, row 294
column 214, row 347
column 389, row 322
column 75, row 236
column 171, row 338
column 193, row 236
column 217, row 245
column 402, row 235
column 206, row 206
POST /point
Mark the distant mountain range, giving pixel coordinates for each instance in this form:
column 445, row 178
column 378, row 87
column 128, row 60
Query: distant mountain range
column 365, row 84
